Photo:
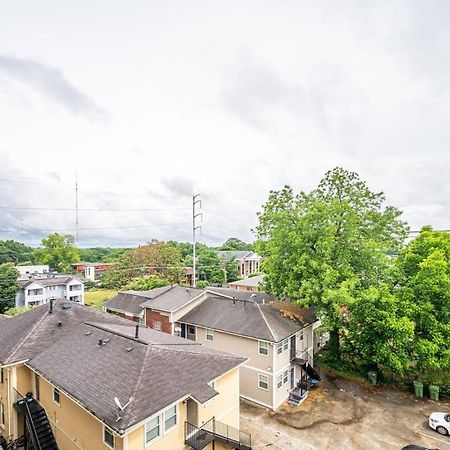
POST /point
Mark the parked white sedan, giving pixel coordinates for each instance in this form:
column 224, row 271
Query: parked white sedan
column 440, row 422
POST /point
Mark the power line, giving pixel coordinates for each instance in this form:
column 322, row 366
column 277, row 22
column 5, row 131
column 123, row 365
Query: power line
column 33, row 208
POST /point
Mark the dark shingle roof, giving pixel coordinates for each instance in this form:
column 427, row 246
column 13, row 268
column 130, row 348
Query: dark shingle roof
column 248, row 318
column 173, row 298
column 25, row 335
column 259, row 297
column 155, row 370
column 127, row 302
column 228, row 255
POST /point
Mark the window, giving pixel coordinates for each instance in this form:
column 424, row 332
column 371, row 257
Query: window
column 285, row 344
column 191, row 329
column 108, row 437
column 170, row 418
column 285, row 376
column 56, row 396
column 157, row 326
column 263, row 348
column 300, row 336
column 263, row 381
column 152, row 430
column 279, row 381
column 280, row 347
column 209, row 334
column 1, row 376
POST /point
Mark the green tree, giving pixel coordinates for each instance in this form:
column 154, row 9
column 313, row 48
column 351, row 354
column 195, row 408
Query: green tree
column 121, row 274
column 423, row 286
column 8, row 286
column 100, row 254
column 235, row 244
column 231, row 270
column 210, row 266
column 16, row 252
column 315, row 243
column 59, row 252
column 147, row 283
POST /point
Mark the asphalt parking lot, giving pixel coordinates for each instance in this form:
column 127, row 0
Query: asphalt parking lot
column 345, row 414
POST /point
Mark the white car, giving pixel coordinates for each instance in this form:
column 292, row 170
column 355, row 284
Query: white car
column 440, row 422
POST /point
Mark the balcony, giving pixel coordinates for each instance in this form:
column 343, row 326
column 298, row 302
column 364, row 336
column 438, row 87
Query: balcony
column 214, row 431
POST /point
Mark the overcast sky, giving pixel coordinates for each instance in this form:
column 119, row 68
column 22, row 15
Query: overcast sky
column 152, row 101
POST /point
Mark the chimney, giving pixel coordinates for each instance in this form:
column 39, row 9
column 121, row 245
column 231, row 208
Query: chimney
column 136, row 334
column 51, row 307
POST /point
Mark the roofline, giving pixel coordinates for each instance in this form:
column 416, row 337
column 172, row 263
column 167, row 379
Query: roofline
column 173, row 310
column 189, row 302
column 123, row 311
column 266, row 321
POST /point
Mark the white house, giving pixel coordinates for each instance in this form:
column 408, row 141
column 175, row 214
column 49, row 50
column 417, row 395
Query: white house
column 32, row 271
column 38, row 291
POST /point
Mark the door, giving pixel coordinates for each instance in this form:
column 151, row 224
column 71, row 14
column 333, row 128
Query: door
column 293, row 348
column 292, row 373
column 192, row 412
column 183, row 330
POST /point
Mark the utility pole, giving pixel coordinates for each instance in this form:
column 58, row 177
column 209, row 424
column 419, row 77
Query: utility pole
column 76, row 207
column 195, row 201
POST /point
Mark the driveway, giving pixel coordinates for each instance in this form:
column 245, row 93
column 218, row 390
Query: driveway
column 345, row 414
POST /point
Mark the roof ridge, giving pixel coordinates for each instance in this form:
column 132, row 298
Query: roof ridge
column 22, row 341
column 229, row 356
column 267, row 322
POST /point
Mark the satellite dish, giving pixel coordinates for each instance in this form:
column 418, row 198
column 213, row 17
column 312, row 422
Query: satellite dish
column 117, row 402
column 177, row 329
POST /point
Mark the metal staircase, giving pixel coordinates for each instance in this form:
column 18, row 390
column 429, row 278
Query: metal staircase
column 39, row 434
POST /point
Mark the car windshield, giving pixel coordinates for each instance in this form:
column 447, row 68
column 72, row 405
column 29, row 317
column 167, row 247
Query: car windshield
column 447, row 417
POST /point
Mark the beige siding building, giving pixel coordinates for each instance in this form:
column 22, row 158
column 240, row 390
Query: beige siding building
column 90, row 380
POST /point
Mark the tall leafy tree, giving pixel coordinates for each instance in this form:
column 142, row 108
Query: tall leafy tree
column 8, row 286
column 423, row 286
column 235, row 244
column 314, row 243
column 16, row 252
column 59, row 252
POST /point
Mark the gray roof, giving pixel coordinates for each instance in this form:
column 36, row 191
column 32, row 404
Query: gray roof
column 25, row 335
column 154, row 370
column 250, row 282
column 259, row 297
column 126, row 302
column 172, row 298
column 52, row 281
column 248, row 318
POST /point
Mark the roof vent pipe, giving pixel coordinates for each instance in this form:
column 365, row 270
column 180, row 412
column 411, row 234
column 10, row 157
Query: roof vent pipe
column 51, row 307
column 136, row 334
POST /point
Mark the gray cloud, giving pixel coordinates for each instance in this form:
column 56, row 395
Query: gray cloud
column 53, row 85
column 180, row 186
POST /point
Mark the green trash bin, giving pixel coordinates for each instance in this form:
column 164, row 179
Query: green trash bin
column 418, row 389
column 373, row 377
column 434, row 392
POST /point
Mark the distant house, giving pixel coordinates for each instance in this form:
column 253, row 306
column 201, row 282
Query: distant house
column 247, row 284
column 247, row 261
column 278, row 339
column 92, row 271
column 36, row 270
column 75, row 378
column 38, row 291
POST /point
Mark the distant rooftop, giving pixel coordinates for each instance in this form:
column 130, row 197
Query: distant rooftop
column 237, row 254
column 249, row 282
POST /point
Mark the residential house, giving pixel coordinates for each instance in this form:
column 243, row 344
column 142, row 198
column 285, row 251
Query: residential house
column 36, row 270
column 276, row 338
column 75, row 378
column 92, row 271
column 247, row 284
column 37, row 291
column 247, row 261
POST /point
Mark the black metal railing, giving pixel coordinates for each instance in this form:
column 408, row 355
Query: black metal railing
column 213, row 430
column 304, row 356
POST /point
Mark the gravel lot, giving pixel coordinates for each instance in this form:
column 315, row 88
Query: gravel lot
column 345, row 414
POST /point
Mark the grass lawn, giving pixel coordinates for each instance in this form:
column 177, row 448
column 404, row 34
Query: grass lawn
column 96, row 298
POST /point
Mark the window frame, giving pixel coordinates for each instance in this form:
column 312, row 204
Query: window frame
column 108, row 430
column 263, row 345
column 159, row 425
column 279, row 348
column 279, row 381
column 166, row 430
column 157, row 325
column 209, row 334
column 285, row 376
column 285, row 344
column 58, row 393
column 260, row 375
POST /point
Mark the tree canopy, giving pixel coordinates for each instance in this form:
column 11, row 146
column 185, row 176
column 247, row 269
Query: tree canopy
column 16, row 252
column 235, row 244
column 8, row 286
column 59, row 252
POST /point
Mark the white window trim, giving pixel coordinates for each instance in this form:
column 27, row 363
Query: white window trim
column 266, row 348
column 113, row 435
column 267, row 382
column 285, row 344
column 209, row 332
column 280, row 376
column 53, row 396
column 280, row 348
column 176, row 419
column 161, row 430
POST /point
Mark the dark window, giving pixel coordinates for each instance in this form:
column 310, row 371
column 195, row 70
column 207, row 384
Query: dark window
column 191, row 329
column 108, row 437
column 56, row 395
